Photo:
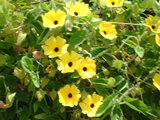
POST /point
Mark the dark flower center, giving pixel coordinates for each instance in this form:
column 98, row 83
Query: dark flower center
column 70, row 95
column 84, row 69
column 76, row 13
column 70, row 64
column 113, row 3
column 55, row 22
column 56, row 49
column 105, row 32
column 92, row 105
column 153, row 27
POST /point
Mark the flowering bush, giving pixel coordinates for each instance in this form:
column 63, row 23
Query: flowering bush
column 79, row 60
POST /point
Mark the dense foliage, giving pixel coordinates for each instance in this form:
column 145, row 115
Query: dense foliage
column 113, row 46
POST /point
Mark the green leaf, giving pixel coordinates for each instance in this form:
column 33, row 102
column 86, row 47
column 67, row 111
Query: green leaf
column 53, row 94
column 128, row 13
column 119, row 79
column 54, row 116
column 28, row 66
column 140, row 51
column 97, row 52
column 117, row 64
column 116, row 113
column 136, row 105
column 100, row 81
column 108, row 59
column 148, row 4
column 32, row 15
column 111, row 82
column 42, row 35
column 40, row 94
column 124, row 86
column 3, row 19
column 35, row 106
column 20, row 38
column 41, row 116
column 10, row 98
column 31, row 38
column 150, row 63
column 130, row 43
column 101, row 90
column 2, row 60
column 95, row 21
column 38, row 26
column 19, row 73
column 11, row 82
column 25, row 113
column 43, row 105
column 76, row 39
column 44, row 81
column 35, row 79
column 107, row 105
column 5, row 45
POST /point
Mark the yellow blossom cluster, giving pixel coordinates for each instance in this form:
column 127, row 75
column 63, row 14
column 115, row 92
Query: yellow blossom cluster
column 69, row 62
column 70, row 95
column 54, row 19
column 57, row 47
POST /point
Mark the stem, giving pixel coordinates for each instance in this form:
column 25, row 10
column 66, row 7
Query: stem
column 134, row 38
column 127, row 23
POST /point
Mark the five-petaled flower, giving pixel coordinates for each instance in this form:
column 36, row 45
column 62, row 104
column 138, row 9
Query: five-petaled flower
column 78, row 9
column 90, row 104
column 55, row 47
column 87, row 68
column 153, row 23
column 69, row 62
column 69, row 95
column 107, row 30
column 114, row 3
column 156, row 80
column 54, row 18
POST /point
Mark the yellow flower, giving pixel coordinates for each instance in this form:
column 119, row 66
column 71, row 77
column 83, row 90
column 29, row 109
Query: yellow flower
column 158, row 39
column 156, row 80
column 153, row 23
column 107, row 30
column 68, row 62
column 55, row 47
column 69, row 95
column 54, row 18
column 78, row 8
column 114, row 3
column 90, row 104
column 87, row 68
column 48, row 68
